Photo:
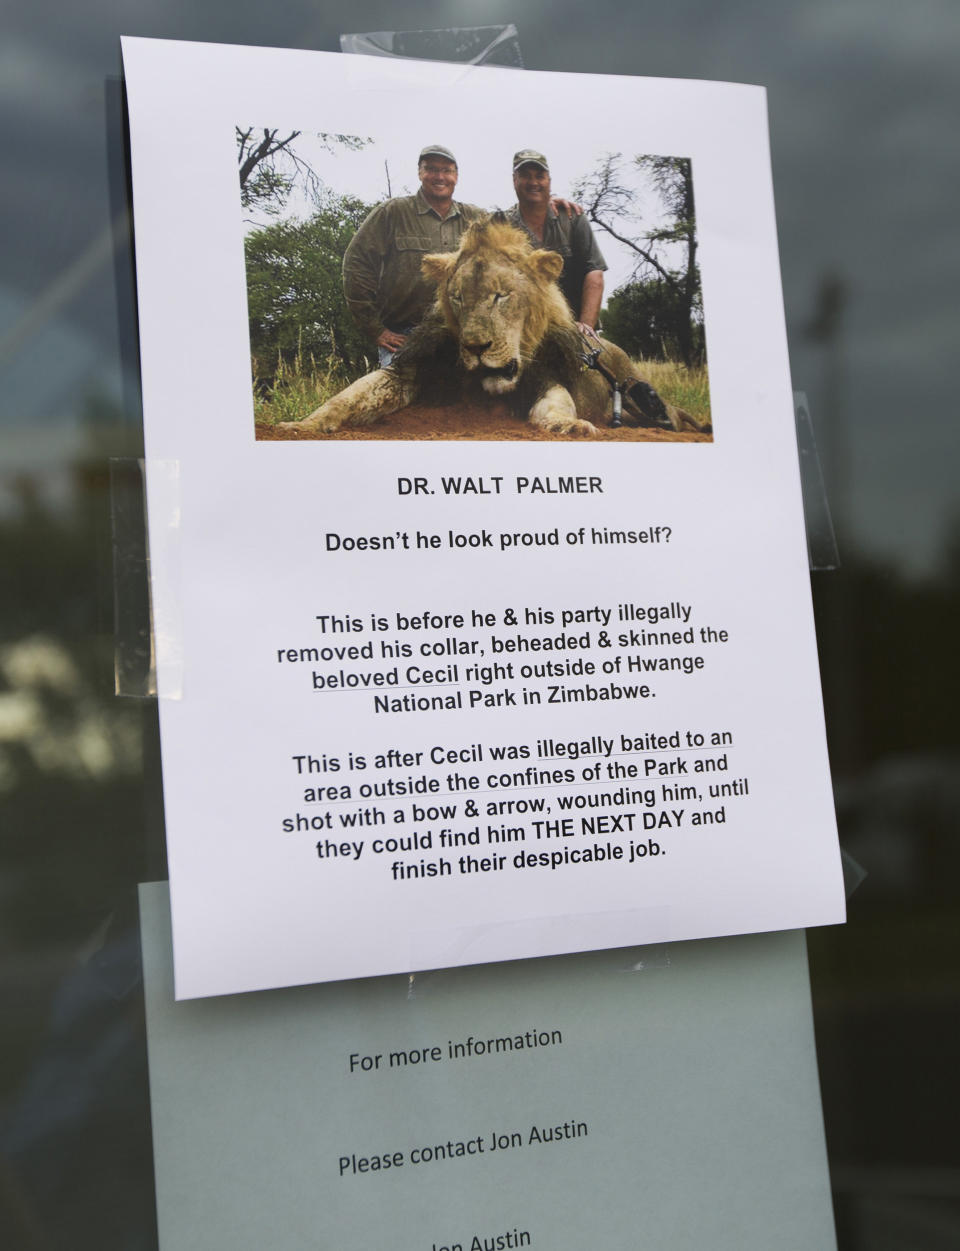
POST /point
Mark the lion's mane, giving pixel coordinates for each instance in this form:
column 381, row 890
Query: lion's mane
column 430, row 361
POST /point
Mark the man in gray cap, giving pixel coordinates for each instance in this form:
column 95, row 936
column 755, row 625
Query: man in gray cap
column 386, row 292
column 582, row 279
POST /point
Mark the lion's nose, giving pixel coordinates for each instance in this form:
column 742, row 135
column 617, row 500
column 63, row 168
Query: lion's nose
column 477, row 349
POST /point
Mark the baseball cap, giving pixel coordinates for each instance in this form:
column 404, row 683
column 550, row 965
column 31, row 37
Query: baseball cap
column 434, row 149
column 527, row 156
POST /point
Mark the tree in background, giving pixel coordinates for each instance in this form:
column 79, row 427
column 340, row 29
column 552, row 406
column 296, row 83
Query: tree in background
column 295, row 290
column 270, row 166
column 659, row 313
column 642, row 317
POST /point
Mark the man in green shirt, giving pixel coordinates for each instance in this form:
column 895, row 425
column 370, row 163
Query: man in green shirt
column 385, row 290
column 535, row 212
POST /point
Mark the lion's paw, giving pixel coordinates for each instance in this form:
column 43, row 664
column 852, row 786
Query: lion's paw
column 305, row 429
column 555, row 412
column 572, row 426
column 326, row 419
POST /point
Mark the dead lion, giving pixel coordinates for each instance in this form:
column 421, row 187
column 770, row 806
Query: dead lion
column 500, row 328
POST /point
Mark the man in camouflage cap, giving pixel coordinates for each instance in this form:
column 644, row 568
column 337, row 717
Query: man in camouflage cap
column 582, row 279
column 385, row 290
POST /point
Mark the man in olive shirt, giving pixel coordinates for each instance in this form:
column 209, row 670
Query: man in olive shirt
column 385, row 290
column 582, row 279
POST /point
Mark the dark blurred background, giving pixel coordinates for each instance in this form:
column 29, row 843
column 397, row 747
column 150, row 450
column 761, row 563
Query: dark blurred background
column 863, row 100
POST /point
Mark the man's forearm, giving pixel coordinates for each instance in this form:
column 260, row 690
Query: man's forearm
column 360, row 292
column 366, row 316
column 362, row 264
column 591, row 298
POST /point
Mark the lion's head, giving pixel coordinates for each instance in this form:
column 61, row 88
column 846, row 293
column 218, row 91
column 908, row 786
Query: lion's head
column 499, row 297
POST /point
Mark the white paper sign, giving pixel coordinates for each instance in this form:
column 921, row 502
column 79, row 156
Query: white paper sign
column 429, row 701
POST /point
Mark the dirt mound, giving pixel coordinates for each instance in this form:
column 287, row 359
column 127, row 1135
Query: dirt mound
column 496, row 424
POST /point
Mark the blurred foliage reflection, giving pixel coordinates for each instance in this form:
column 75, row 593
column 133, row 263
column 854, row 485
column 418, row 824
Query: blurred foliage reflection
column 74, row 1136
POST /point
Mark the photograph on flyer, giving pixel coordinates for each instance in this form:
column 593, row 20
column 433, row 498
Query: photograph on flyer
column 382, row 305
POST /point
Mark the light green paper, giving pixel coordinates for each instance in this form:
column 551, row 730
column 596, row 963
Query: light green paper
column 692, row 1066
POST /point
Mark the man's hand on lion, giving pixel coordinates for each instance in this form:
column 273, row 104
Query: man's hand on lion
column 390, row 340
column 587, row 331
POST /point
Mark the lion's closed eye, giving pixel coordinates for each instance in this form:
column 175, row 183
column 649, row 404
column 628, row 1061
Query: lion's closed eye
column 500, row 296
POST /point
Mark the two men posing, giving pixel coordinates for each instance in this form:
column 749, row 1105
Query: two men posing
column 385, row 290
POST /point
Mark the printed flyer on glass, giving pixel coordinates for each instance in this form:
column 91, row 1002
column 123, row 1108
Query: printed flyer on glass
column 479, row 637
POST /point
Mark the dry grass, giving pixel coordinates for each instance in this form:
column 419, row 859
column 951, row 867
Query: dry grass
column 295, row 390
column 680, row 386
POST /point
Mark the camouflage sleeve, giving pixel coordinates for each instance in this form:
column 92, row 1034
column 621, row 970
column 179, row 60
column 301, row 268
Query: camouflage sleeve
column 362, row 269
